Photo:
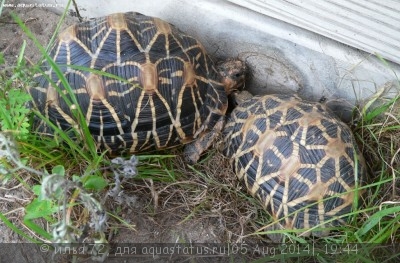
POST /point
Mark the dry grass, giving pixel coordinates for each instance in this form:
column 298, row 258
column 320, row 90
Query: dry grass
column 380, row 141
column 206, row 192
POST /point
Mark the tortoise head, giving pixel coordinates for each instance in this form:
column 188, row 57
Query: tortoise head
column 238, row 97
column 233, row 73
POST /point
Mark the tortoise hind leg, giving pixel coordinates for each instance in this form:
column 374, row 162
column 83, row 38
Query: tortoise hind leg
column 194, row 149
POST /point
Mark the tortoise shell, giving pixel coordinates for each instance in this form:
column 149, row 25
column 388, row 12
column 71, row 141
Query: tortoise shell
column 141, row 83
column 297, row 158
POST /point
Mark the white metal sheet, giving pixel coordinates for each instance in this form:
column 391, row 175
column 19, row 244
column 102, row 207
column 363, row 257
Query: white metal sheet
column 369, row 25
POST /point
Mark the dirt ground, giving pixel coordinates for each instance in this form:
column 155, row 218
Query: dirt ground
column 169, row 223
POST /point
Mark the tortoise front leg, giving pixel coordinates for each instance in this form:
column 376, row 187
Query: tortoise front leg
column 194, row 149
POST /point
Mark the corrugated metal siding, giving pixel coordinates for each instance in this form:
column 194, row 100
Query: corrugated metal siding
column 369, row 25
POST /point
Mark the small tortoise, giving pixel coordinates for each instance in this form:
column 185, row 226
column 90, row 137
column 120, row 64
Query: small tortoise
column 159, row 87
column 297, row 158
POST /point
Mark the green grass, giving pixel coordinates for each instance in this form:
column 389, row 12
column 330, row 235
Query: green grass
column 70, row 182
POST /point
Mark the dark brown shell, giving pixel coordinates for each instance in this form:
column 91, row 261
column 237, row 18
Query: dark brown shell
column 159, row 87
column 296, row 157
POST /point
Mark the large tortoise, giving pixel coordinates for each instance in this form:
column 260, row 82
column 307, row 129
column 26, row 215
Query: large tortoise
column 159, row 87
column 297, row 158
